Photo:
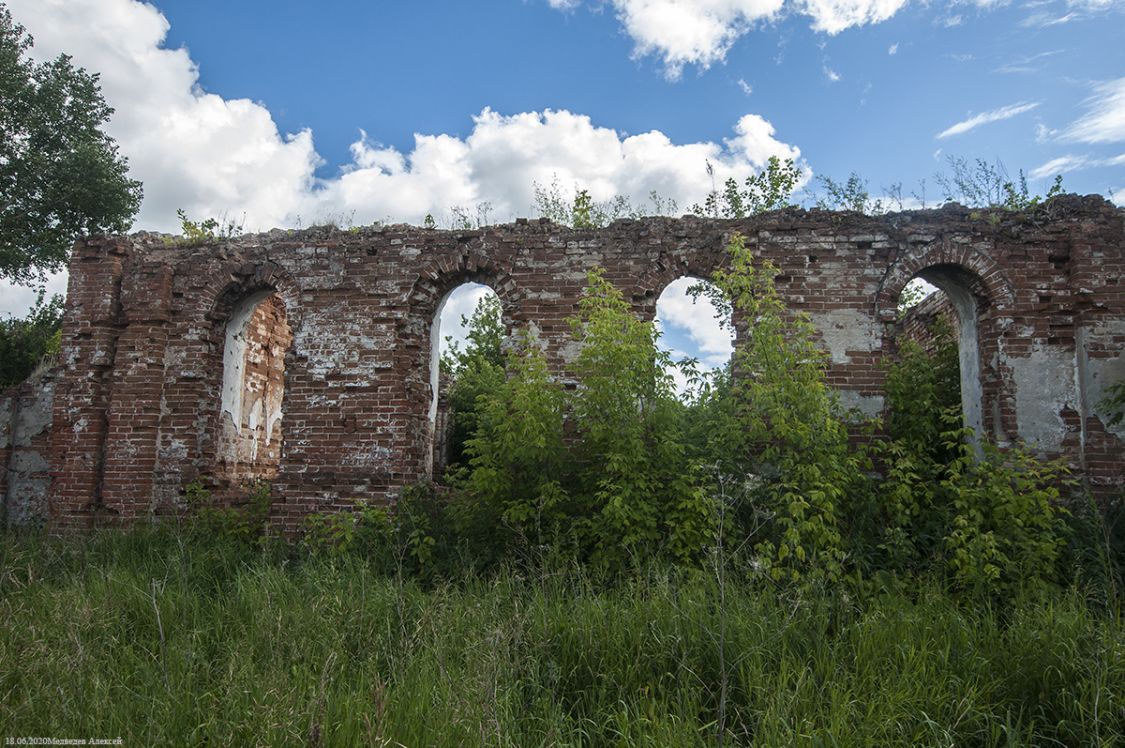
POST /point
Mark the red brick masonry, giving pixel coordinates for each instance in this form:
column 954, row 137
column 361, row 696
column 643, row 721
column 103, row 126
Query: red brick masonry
column 328, row 375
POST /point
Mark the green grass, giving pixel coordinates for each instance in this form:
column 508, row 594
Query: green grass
column 162, row 638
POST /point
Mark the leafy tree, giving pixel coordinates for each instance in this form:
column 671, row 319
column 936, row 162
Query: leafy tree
column 989, row 522
column 779, row 427
column 60, row 175
column 25, row 342
column 641, row 488
column 515, row 482
column 924, row 427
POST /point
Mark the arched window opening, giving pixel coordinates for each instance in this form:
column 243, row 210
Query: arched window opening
column 465, row 362
column 938, row 312
column 692, row 327
column 257, row 339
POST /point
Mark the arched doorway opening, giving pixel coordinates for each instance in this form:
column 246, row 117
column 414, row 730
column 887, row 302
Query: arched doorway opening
column 692, row 327
column 466, row 361
column 939, row 312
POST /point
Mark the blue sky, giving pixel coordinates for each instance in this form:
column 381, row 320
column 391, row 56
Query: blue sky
column 287, row 114
column 395, row 69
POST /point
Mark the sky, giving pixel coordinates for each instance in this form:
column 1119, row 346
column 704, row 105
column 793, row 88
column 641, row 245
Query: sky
column 293, row 113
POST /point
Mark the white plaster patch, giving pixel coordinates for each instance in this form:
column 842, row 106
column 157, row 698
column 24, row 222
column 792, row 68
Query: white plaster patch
column 570, row 350
column 870, row 406
column 1044, row 387
column 234, row 358
column 844, row 330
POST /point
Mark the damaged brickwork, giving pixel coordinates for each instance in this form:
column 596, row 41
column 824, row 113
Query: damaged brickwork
column 305, row 358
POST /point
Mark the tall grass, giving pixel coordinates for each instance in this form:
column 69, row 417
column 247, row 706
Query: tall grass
column 161, row 637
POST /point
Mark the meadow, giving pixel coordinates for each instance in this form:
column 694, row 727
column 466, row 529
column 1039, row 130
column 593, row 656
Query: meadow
column 172, row 636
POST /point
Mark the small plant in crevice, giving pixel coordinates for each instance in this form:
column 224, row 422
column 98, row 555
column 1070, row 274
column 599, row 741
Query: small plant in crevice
column 769, row 189
column 206, row 230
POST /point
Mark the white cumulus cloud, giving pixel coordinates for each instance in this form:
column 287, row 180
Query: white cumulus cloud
column 192, row 150
column 834, row 16
column 213, row 156
column 697, row 32
column 701, row 32
column 697, row 319
column 504, row 156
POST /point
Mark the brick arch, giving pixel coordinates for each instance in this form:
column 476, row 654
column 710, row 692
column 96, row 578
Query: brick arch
column 441, row 276
column 233, row 284
column 981, row 275
column 671, row 266
column 417, row 348
column 981, row 294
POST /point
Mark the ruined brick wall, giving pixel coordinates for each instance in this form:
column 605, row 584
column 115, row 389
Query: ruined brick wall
column 139, row 407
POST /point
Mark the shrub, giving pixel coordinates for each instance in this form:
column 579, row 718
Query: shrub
column 244, row 521
column 780, row 426
column 641, row 490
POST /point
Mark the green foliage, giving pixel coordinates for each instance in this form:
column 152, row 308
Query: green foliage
column 583, row 212
column 619, row 471
column 641, row 489
column 1007, row 533
column 781, row 425
column 1113, row 405
column 983, row 185
column 621, row 488
column 201, row 232
column 412, row 541
column 923, row 386
column 912, row 295
column 767, row 190
column 990, row 522
column 850, row 195
column 581, row 215
column 60, row 175
column 473, row 372
column 24, row 343
column 513, row 492
column 244, row 522
column 923, row 391
column 367, row 532
column 462, row 220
